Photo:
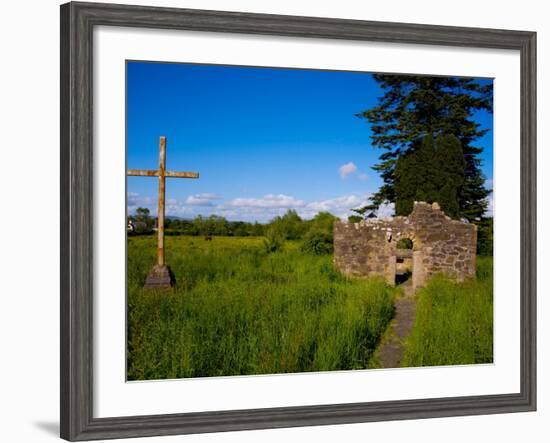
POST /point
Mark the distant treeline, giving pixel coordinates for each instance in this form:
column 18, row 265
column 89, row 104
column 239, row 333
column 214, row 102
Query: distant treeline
column 315, row 234
column 213, row 225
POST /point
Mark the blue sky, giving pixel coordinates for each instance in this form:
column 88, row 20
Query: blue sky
column 263, row 139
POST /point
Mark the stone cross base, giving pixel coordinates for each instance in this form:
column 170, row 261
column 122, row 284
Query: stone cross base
column 160, row 277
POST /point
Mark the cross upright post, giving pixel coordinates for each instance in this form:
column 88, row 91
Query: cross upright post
column 161, row 196
column 161, row 276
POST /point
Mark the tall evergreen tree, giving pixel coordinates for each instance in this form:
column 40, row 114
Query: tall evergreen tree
column 413, row 107
column 431, row 171
column 451, row 164
column 411, row 181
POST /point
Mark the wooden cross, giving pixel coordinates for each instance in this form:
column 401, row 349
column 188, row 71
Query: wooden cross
column 161, row 276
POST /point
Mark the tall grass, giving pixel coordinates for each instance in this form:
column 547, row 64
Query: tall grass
column 238, row 310
column 454, row 321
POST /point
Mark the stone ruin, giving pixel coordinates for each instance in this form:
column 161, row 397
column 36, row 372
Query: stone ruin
column 439, row 245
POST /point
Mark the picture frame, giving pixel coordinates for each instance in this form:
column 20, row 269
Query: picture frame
column 77, row 211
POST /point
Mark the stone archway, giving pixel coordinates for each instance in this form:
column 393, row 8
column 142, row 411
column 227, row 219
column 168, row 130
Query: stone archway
column 440, row 245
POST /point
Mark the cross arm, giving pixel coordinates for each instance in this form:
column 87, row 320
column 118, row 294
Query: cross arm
column 155, row 173
column 143, row 173
column 181, row 174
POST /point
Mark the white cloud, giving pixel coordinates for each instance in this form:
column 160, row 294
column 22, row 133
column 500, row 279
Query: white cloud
column 490, row 207
column 254, row 209
column 339, row 206
column 386, row 210
column 350, row 169
column 178, row 208
column 268, row 201
column 273, row 205
column 346, row 170
column 205, row 199
column 135, row 200
column 173, row 207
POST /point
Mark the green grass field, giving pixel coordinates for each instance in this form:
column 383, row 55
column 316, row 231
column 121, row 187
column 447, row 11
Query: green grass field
column 237, row 310
column 454, row 322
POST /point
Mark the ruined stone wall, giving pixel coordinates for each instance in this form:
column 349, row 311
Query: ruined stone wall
column 440, row 245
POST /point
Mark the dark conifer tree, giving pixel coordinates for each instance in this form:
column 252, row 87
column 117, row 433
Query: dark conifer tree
column 451, row 167
column 413, row 107
column 432, row 171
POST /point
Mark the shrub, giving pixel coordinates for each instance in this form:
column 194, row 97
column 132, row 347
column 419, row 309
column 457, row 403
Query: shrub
column 274, row 239
column 404, row 243
column 485, row 237
column 318, row 242
column 290, row 225
column 324, row 221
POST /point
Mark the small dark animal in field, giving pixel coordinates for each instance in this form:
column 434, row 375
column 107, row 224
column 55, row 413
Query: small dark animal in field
column 208, row 237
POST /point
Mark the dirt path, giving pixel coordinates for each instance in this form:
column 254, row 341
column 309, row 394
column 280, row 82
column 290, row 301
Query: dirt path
column 391, row 350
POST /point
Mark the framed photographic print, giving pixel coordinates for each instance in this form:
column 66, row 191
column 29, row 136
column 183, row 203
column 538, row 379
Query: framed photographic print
column 273, row 221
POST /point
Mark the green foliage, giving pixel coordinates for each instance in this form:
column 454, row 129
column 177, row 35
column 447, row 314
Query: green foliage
column 212, row 225
column 274, row 239
column 290, row 225
column 452, row 173
column 448, row 200
column 319, row 238
column 237, row 311
column 404, row 243
column 366, row 211
column 454, row 321
column 414, row 107
column 142, row 214
column 485, row 237
column 318, row 241
column 323, row 221
column 216, row 224
column 141, row 228
column 355, row 218
column 239, row 229
column 433, row 172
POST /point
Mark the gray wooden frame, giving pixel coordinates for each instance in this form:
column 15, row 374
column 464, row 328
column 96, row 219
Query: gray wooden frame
column 77, row 24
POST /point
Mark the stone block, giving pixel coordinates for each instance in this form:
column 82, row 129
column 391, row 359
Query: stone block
column 160, row 277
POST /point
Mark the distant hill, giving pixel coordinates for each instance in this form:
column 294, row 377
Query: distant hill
column 175, row 217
